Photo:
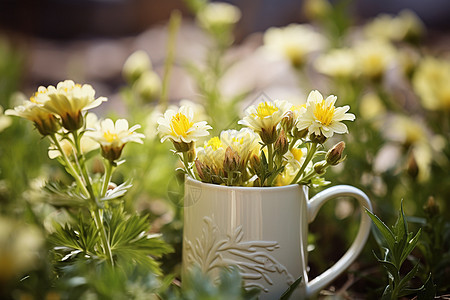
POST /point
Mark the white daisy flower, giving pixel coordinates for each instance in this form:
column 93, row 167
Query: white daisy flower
column 45, row 122
column 179, row 126
column 113, row 137
column 264, row 118
column 67, row 101
column 244, row 142
column 321, row 117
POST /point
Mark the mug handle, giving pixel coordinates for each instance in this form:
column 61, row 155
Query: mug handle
column 314, row 204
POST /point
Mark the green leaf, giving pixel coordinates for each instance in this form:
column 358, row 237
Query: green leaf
column 384, row 230
column 405, row 280
column 428, row 290
column 387, row 293
column 290, row 290
column 410, row 246
column 390, row 267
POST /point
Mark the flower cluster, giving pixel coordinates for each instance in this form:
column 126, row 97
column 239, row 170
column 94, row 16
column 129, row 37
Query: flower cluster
column 279, row 144
column 61, row 113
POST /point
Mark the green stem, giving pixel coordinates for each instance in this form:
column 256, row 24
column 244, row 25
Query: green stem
column 106, row 178
column 69, row 165
column 82, row 165
column 96, row 210
column 292, row 144
column 186, row 165
column 97, row 215
column 311, row 151
column 174, row 25
column 270, row 158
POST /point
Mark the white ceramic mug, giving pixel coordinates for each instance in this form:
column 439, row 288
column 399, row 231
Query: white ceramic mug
column 262, row 231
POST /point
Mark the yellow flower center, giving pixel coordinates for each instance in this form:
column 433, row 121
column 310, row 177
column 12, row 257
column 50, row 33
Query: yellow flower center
column 215, row 143
column 180, row 125
column 324, row 113
column 110, row 136
column 265, row 109
column 297, row 153
column 238, row 141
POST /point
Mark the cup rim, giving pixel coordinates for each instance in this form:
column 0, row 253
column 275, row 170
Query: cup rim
column 246, row 188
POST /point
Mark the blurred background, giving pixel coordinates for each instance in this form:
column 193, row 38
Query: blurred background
column 89, row 40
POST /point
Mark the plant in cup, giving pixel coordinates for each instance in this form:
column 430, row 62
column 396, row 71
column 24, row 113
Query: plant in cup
column 280, row 144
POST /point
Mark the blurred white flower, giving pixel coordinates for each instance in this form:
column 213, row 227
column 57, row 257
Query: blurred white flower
column 431, row 83
column 5, row 121
column 218, row 15
column 293, row 42
column 395, row 28
column 337, row 63
column 20, row 246
column 148, row 86
column 136, row 64
column 374, row 57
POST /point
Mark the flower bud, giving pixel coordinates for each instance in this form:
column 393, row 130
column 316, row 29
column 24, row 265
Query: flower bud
column 281, row 144
column 135, row 65
column 334, row 155
column 48, row 125
column 299, row 134
column 320, row 167
column 231, row 161
column 182, row 146
column 202, row 171
column 319, row 139
column 412, row 168
column 148, row 86
column 254, row 161
column 431, row 207
column 269, row 136
column 111, row 152
column 72, row 122
column 288, row 121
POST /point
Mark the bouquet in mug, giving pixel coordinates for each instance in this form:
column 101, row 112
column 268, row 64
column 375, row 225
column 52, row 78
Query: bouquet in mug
column 280, row 143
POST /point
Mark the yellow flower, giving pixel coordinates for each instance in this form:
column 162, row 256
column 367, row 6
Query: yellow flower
column 113, row 137
column 293, row 42
column 178, row 126
column 67, row 100
column 264, row 118
column 321, row 117
column 431, row 83
column 337, row 63
column 45, row 122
